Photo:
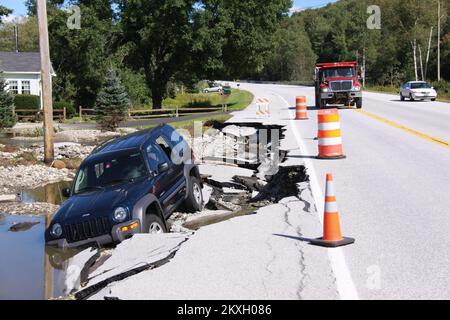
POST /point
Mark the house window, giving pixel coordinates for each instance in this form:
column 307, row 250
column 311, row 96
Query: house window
column 13, row 86
column 26, row 88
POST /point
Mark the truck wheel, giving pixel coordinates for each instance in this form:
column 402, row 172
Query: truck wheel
column 194, row 200
column 317, row 102
column 359, row 103
column 154, row 224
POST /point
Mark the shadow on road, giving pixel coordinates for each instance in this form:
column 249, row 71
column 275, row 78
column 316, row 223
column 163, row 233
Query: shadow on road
column 294, row 237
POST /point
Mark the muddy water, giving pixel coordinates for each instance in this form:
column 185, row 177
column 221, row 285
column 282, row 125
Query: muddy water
column 51, row 193
column 26, row 271
column 29, row 270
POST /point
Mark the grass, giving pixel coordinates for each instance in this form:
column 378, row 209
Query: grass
column 238, row 100
column 442, row 96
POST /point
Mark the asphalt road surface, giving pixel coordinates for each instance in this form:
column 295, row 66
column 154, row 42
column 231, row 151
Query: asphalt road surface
column 393, row 190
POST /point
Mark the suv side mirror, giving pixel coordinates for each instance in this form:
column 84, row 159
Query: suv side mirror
column 163, row 167
column 66, row 192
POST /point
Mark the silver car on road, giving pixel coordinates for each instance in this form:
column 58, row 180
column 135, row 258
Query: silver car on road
column 417, row 90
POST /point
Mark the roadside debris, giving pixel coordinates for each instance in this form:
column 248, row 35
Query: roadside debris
column 22, row 226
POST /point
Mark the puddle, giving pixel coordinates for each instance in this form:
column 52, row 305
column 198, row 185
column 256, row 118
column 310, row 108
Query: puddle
column 50, row 193
column 27, row 269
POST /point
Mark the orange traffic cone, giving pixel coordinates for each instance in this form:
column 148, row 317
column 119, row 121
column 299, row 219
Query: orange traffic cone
column 332, row 236
column 301, row 108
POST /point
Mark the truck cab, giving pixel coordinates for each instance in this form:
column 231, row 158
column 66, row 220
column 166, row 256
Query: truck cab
column 337, row 84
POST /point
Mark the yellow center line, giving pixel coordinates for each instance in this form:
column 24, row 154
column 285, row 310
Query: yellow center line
column 406, row 129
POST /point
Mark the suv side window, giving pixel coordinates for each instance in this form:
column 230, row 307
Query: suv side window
column 155, row 157
column 164, row 146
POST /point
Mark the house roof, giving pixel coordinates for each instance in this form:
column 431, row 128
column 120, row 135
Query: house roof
column 21, row 62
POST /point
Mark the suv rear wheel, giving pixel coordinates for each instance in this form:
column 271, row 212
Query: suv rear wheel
column 154, row 224
column 194, row 200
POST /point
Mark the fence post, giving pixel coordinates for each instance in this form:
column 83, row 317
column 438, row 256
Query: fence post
column 176, row 114
column 81, row 113
column 64, row 114
column 129, row 114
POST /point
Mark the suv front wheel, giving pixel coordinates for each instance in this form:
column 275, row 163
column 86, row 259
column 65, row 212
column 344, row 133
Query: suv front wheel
column 194, row 200
column 154, row 225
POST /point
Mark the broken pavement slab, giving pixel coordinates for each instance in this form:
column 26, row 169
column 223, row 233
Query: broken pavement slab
column 132, row 256
column 259, row 256
column 223, row 173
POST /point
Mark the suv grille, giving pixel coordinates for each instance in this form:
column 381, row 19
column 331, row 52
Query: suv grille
column 341, row 85
column 87, row 229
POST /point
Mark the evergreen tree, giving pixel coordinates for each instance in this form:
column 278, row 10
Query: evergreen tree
column 7, row 118
column 112, row 102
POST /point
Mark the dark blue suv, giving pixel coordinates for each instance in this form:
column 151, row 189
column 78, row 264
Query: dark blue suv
column 126, row 186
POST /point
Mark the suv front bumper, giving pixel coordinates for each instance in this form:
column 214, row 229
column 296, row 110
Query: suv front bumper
column 119, row 233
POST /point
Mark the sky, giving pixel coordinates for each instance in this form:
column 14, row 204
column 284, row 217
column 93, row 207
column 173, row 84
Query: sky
column 19, row 5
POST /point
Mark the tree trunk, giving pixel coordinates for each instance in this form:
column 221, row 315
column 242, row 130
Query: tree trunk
column 421, row 63
column 414, row 47
column 157, row 97
column 428, row 53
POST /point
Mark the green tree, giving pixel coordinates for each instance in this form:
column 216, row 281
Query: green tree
column 160, row 35
column 27, row 34
column 292, row 58
column 4, row 12
column 7, row 118
column 112, row 103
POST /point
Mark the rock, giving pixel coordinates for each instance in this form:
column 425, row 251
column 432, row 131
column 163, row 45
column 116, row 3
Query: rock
column 58, row 164
column 8, row 198
column 22, row 226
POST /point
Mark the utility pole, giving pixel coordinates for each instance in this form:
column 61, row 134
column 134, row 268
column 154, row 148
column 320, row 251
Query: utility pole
column 46, row 81
column 439, row 42
column 16, row 39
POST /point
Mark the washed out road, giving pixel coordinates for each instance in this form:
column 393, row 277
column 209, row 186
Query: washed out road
column 393, row 190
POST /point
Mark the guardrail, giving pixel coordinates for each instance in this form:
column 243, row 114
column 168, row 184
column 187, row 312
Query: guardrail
column 37, row 115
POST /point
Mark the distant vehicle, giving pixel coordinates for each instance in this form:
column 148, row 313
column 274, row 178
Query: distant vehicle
column 337, row 83
column 214, row 87
column 417, row 90
column 129, row 185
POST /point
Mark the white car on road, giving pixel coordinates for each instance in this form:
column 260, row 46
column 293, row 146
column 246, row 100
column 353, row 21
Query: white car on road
column 216, row 87
column 417, row 90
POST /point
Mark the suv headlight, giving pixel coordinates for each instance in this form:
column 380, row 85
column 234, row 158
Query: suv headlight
column 120, row 214
column 56, row 230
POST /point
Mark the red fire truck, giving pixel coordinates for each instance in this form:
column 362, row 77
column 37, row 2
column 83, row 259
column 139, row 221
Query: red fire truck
column 337, row 84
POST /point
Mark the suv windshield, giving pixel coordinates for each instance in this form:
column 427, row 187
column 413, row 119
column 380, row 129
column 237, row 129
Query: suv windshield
column 420, row 85
column 347, row 72
column 109, row 171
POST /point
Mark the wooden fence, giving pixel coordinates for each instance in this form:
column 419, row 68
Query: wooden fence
column 37, row 115
column 143, row 114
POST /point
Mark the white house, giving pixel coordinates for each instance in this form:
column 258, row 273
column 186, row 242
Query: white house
column 22, row 72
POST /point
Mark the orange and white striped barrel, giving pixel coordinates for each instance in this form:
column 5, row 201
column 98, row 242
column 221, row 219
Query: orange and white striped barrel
column 330, row 140
column 259, row 107
column 267, row 106
column 301, row 108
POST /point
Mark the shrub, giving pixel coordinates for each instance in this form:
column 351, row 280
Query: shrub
column 70, row 109
column 27, row 101
column 7, row 118
column 441, row 86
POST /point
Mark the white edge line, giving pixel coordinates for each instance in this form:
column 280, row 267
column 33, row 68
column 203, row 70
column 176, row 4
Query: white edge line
column 344, row 282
